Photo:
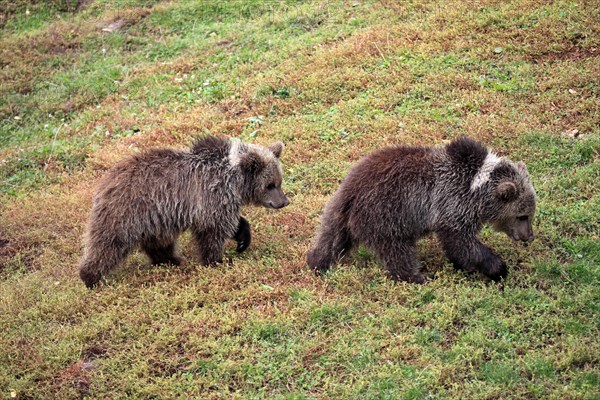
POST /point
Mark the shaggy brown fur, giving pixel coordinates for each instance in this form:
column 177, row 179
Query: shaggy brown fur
column 151, row 198
column 396, row 195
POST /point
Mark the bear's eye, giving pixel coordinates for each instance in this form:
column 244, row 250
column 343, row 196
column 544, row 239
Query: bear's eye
column 523, row 218
column 271, row 186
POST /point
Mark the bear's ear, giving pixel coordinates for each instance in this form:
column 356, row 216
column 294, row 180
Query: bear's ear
column 522, row 168
column 277, row 149
column 506, row 191
column 252, row 162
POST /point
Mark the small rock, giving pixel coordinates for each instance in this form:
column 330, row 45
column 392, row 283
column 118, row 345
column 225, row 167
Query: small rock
column 113, row 26
column 572, row 133
column 572, row 91
column 498, row 50
column 87, row 366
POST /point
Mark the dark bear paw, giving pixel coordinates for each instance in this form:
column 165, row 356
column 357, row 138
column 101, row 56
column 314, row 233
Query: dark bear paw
column 317, row 262
column 417, row 278
column 176, row 260
column 243, row 236
column 90, row 279
column 211, row 262
column 166, row 260
column 495, row 269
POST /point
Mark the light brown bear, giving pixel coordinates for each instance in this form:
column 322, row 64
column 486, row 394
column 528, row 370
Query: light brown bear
column 149, row 199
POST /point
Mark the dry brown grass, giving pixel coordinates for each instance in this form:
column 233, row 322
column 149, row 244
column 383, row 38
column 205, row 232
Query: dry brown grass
column 333, row 81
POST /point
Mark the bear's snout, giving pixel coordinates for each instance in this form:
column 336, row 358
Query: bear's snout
column 519, row 236
column 523, row 232
column 278, row 204
column 286, row 202
column 275, row 198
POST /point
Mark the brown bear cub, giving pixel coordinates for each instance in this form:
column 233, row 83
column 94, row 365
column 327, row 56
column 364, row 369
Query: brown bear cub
column 149, row 199
column 396, row 195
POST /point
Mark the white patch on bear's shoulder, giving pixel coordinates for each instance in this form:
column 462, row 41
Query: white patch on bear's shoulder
column 490, row 162
column 234, row 152
column 238, row 149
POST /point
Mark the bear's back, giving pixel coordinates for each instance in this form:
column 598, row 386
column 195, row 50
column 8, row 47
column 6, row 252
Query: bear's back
column 166, row 170
column 389, row 191
column 141, row 173
column 393, row 170
column 169, row 189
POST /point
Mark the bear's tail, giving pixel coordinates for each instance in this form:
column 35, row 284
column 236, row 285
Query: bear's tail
column 333, row 240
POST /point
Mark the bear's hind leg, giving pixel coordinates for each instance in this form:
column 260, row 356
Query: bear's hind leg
column 330, row 247
column 468, row 253
column 334, row 239
column 400, row 259
column 100, row 258
column 210, row 244
column 161, row 253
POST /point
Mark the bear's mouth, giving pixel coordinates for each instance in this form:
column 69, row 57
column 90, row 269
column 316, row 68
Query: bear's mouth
column 268, row 204
column 274, row 206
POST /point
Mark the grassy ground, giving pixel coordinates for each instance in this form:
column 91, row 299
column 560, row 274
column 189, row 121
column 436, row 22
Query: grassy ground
column 84, row 83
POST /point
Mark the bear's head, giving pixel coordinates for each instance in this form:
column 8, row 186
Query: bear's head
column 262, row 175
column 512, row 204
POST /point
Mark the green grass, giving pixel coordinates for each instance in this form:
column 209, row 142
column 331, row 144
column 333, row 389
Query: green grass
column 333, row 80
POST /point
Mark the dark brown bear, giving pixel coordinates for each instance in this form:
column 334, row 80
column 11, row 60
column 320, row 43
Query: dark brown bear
column 148, row 200
column 396, row 195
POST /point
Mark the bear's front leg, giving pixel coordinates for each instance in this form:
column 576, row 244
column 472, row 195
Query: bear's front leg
column 468, row 253
column 161, row 253
column 210, row 244
column 400, row 259
column 243, row 236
